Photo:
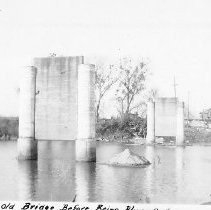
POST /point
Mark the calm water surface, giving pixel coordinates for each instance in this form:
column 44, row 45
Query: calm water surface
column 176, row 175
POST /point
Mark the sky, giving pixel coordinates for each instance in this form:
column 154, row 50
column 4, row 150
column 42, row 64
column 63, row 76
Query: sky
column 175, row 36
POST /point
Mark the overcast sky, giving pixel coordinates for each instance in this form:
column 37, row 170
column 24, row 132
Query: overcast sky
column 174, row 35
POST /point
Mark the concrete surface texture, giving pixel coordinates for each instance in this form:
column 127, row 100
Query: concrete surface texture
column 180, row 124
column 165, row 118
column 56, row 99
column 150, row 122
column 27, row 145
column 85, row 144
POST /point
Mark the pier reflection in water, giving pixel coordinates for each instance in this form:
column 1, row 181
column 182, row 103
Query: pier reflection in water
column 27, row 180
column 85, row 181
column 179, row 169
column 176, row 175
column 56, row 165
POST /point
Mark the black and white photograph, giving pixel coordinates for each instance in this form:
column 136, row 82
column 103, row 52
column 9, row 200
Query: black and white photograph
column 105, row 101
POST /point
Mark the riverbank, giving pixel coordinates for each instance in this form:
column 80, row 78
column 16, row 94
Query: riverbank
column 159, row 142
column 193, row 136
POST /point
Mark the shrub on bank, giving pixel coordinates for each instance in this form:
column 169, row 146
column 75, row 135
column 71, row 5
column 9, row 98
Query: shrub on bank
column 121, row 128
column 197, row 135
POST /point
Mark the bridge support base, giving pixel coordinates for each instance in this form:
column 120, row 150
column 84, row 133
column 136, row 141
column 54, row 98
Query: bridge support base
column 85, row 143
column 180, row 124
column 86, row 150
column 27, row 145
column 150, row 123
column 27, row 149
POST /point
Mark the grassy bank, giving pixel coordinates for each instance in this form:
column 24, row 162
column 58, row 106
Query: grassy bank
column 121, row 129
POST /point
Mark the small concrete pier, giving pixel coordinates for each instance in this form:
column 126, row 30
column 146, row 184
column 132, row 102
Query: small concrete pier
column 85, row 143
column 165, row 118
column 27, row 145
column 180, row 124
column 150, row 123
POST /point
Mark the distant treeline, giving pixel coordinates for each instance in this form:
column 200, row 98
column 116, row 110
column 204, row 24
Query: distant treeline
column 8, row 127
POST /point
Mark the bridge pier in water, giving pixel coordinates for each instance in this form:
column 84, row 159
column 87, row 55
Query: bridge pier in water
column 165, row 117
column 150, row 123
column 180, row 124
column 65, row 106
column 27, row 144
column 85, row 143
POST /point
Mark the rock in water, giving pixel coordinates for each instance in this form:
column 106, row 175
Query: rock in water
column 126, row 158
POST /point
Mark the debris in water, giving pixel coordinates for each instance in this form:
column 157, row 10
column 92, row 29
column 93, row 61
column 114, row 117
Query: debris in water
column 127, row 158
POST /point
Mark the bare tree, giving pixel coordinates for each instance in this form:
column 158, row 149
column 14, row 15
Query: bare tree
column 105, row 79
column 131, row 83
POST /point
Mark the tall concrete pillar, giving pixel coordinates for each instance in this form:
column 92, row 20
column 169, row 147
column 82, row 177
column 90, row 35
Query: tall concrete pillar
column 85, row 143
column 150, row 122
column 27, row 145
column 180, row 124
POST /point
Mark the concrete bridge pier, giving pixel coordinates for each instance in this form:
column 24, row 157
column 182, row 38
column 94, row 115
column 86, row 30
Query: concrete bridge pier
column 150, row 123
column 180, row 124
column 85, row 143
column 27, row 145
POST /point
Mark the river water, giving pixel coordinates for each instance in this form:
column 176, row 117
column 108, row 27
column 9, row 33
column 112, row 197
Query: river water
column 176, row 175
